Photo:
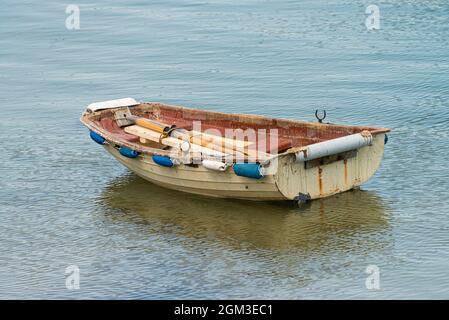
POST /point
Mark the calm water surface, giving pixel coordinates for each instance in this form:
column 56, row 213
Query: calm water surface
column 64, row 201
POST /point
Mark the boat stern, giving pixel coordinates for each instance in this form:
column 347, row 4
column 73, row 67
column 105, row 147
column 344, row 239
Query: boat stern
column 331, row 174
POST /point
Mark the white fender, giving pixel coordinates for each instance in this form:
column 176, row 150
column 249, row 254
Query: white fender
column 215, row 165
column 334, row 146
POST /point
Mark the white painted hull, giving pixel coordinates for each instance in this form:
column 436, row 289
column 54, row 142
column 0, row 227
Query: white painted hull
column 287, row 181
column 200, row 180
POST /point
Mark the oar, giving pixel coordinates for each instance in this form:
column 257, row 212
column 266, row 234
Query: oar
column 166, row 130
column 125, row 118
column 170, row 141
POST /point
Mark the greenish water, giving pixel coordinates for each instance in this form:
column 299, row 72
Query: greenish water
column 64, row 201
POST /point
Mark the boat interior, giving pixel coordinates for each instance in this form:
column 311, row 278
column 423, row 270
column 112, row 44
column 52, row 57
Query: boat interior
column 290, row 133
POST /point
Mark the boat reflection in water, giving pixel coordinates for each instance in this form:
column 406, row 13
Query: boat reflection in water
column 341, row 222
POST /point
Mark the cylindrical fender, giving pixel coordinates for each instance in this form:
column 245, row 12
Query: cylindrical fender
column 97, row 138
column 215, row 165
column 334, row 146
column 127, row 152
column 163, row 161
column 249, row 170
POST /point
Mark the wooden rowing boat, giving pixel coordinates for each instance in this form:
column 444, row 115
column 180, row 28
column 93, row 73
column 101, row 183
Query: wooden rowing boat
column 235, row 155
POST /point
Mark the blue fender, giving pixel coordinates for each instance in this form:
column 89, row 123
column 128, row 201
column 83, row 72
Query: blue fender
column 249, row 170
column 163, row 161
column 127, row 152
column 97, row 138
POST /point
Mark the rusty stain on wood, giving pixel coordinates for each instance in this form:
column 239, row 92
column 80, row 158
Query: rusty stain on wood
column 346, row 171
column 320, row 180
column 330, row 159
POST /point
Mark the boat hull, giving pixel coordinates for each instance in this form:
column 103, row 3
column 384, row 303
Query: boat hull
column 288, row 181
column 199, row 180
